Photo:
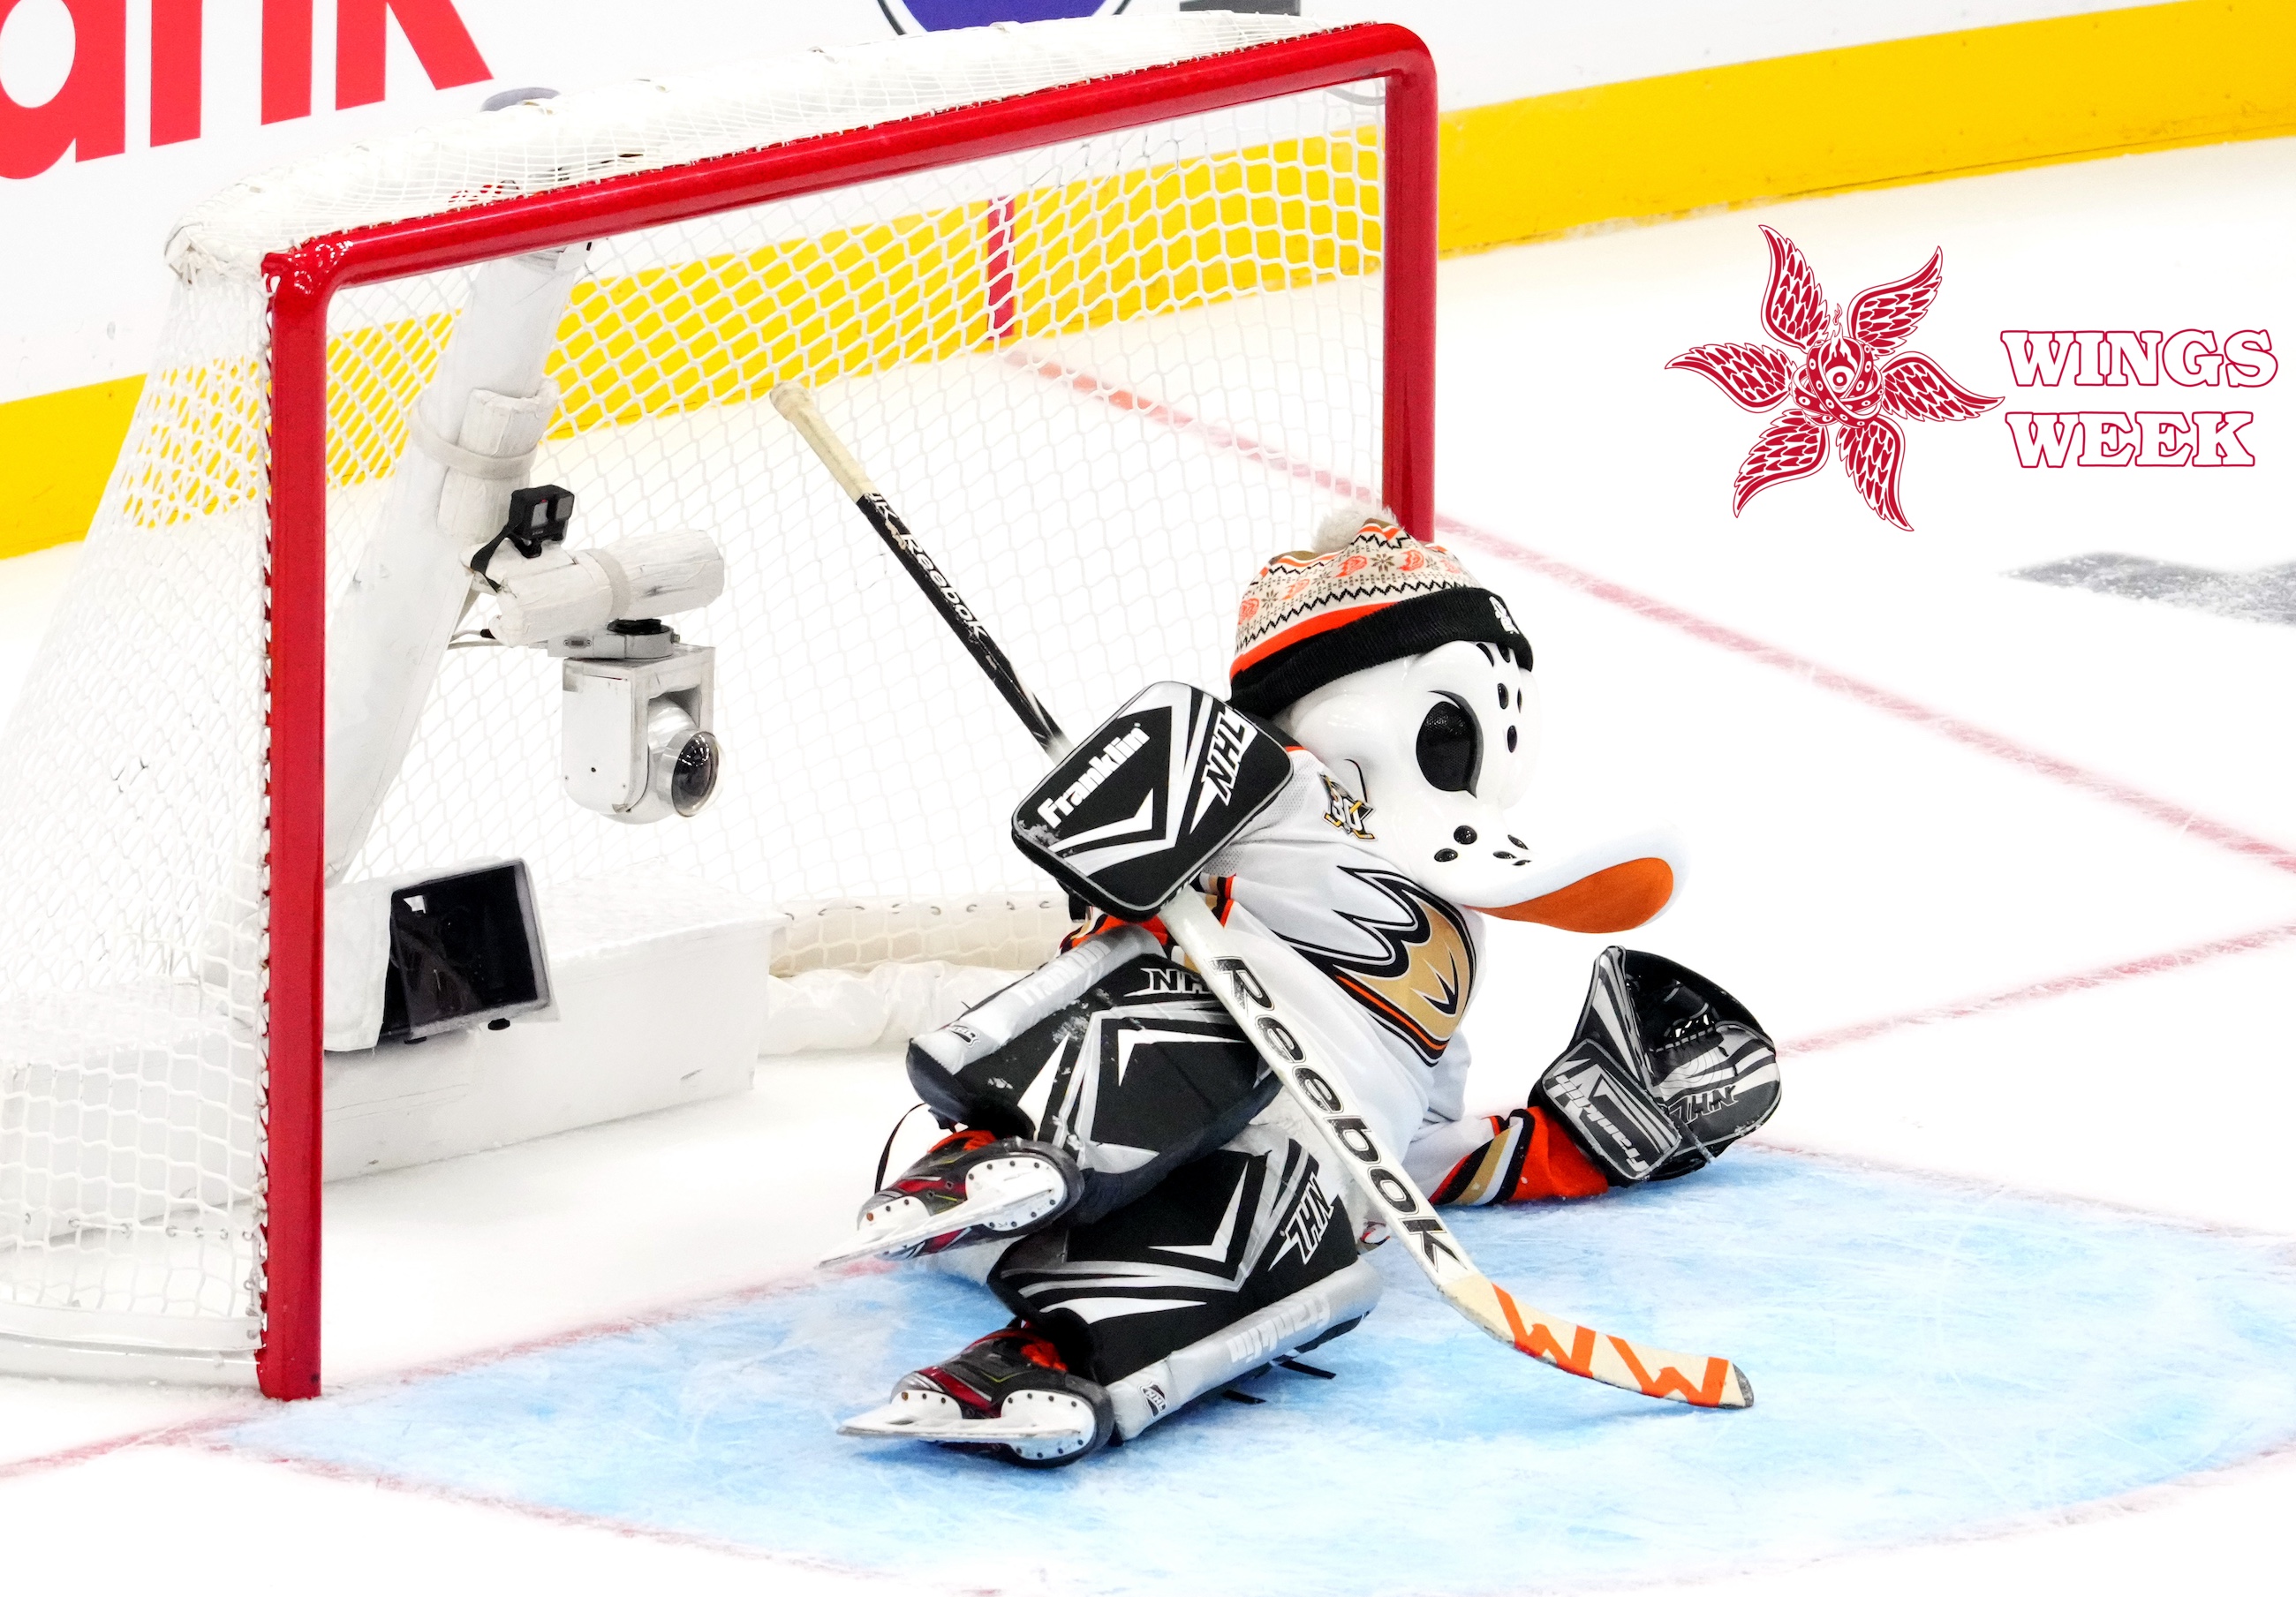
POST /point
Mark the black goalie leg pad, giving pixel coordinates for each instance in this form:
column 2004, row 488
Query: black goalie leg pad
column 1111, row 1053
column 1235, row 1261
column 1666, row 1070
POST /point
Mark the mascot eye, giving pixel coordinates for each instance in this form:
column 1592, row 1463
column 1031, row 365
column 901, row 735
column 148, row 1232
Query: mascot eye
column 1450, row 748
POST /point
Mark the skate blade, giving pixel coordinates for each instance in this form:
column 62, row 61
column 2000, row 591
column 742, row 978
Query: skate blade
column 998, row 1195
column 930, row 1423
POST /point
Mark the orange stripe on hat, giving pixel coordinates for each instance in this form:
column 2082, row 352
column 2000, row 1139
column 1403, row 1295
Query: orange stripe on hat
column 1306, row 628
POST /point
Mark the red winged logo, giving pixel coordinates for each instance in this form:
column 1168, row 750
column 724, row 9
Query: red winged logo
column 1844, row 376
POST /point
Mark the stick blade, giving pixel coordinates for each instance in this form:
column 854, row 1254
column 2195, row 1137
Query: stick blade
column 1700, row 1381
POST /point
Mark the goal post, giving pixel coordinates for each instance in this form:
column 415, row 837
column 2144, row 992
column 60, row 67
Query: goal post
column 1125, row 300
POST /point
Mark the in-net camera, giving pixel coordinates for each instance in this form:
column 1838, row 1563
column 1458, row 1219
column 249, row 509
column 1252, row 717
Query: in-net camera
column 637, row 743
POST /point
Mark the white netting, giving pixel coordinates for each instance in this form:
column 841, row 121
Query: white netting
column 1105, row 379
column 646, row 125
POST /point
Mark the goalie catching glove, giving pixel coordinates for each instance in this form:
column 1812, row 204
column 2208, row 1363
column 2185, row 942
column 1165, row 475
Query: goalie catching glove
column 1666, row 1070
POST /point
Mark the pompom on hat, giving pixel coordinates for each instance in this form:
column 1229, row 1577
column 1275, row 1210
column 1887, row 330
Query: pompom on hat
column 1368, row 593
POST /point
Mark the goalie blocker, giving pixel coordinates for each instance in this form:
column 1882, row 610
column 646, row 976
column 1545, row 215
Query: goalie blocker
column 1137, row 811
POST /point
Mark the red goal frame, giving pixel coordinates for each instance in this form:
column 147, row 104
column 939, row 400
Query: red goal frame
column 302, row 282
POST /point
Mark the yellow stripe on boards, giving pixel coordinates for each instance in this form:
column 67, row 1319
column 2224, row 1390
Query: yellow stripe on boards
column 56, row 451
column 1908, row 110
column 374, row 373
column 1196, row 233
column 724, row 330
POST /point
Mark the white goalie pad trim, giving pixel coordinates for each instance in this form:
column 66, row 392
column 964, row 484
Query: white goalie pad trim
column 1149, row 1394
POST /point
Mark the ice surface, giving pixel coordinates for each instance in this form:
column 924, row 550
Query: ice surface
column 1929, row 1359
column 1848, row 867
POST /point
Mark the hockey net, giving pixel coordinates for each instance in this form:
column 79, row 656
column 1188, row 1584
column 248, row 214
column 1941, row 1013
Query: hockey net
column 1105, row 374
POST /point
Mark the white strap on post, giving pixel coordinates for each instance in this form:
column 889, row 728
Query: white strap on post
column 617, row 579
column 466, row 462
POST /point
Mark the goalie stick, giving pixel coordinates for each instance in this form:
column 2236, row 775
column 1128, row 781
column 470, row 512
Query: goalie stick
column 1290, row 1047
column 794, row 400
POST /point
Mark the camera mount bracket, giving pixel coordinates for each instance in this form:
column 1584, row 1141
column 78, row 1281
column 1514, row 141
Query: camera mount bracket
column 539, row 518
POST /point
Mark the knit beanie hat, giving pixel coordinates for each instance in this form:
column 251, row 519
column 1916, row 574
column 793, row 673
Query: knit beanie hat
column 1377, row 594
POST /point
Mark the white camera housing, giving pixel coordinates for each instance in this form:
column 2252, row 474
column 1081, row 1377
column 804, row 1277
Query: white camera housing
column 638, row 745
column 558, row 591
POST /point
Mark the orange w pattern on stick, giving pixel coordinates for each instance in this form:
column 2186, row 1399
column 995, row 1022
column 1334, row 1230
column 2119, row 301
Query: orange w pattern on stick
column 1617, row 1362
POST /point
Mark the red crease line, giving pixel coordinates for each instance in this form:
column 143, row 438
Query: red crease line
column 2057, row 986
column 157, row 1435
column 2187, row 821
column 1967, row 733
column 631, row 1530
column 205, row 1430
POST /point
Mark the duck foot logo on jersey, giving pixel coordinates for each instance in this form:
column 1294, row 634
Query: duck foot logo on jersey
column 1840, row 377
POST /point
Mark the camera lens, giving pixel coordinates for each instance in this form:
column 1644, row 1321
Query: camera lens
column 683, row 764
column 694, row 778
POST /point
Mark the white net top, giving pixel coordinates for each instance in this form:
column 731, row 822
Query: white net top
column 650, row 124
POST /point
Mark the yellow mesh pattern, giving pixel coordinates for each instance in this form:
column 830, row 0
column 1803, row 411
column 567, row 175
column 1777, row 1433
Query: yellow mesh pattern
column 1104, row 378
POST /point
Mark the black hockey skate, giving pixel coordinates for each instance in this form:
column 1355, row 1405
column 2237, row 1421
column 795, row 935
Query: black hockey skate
column 971, row 1186
column 1231, row 1264
column 1009, row 1394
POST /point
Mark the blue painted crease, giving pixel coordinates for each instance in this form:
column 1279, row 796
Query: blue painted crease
column 1930, row 1360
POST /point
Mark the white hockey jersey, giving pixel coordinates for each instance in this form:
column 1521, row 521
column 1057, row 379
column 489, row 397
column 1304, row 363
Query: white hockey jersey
column 1397, row 963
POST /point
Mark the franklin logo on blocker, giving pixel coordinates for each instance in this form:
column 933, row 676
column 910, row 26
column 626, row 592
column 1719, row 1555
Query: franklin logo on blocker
column 1141, row 805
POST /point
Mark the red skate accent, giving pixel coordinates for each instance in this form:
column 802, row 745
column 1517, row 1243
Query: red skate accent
column 1038, row 1350
column 947, row 1186
column 968, row 1398
column 1032, row 1346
